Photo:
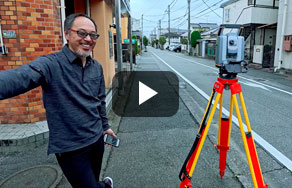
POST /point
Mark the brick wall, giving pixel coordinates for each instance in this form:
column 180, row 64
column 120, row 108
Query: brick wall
column 37, row 25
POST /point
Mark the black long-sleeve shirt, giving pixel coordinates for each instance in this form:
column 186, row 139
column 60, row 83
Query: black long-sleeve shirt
column 73, row 96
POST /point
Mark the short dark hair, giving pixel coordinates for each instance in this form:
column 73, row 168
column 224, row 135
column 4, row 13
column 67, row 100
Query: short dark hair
column 70, row 19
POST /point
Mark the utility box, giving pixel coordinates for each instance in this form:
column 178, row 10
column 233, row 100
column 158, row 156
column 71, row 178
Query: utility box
column 287, row 43
column 258, row 54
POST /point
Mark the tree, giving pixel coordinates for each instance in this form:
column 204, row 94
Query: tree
column 145, row 42
column 153, row 43
column 162, row 41
column 136, row 44
column 156, row 43
column 183, row 40
column 195, row 35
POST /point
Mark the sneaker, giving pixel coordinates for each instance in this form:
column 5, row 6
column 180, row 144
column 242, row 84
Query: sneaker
column 109, row 181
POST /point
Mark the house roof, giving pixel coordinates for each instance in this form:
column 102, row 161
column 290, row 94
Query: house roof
column 227, row 3
column 171, row 34
column 173, row 30
column 204, row 25
column 210, row 32
column 184, row 34
column 210, row 39
column 137, row 33
column 269, row 26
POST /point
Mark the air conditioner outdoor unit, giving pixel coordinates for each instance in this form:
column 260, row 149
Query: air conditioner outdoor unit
column 287, row 45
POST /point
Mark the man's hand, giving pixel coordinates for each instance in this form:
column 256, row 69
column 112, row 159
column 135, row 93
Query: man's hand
column 110, row 132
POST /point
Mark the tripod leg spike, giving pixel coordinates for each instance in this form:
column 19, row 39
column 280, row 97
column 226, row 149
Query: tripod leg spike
column 221, row 173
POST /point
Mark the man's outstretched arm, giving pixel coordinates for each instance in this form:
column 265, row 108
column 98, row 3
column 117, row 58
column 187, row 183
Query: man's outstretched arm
column 14, row 82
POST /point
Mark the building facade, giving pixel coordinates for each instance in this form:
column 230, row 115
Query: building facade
column 31, row 28
column 253, row 14
column 283, row 54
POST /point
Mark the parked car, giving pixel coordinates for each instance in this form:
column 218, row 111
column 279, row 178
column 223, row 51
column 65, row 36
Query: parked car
column 171, row 46
column 177, row 48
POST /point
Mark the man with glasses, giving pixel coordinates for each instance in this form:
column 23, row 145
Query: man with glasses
column 74, row 99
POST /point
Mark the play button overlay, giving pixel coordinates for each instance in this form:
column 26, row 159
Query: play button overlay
column 145, row 94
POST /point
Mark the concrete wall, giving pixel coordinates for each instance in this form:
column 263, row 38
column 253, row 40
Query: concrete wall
column 101, row 12
column 249, row 14
column 263, row 15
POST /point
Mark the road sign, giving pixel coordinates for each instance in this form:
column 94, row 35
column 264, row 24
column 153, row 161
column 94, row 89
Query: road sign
column 126, row 40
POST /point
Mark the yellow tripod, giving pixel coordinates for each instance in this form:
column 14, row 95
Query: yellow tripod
column 223, row 135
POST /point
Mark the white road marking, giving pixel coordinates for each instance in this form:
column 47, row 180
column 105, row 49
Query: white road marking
column 267, row 146
column 275, row 88
column 255, row 85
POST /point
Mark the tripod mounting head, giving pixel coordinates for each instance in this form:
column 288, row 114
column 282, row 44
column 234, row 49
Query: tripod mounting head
column 230, row 51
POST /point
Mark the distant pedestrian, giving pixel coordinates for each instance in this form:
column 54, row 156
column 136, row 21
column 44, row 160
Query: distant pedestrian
column 74, row 99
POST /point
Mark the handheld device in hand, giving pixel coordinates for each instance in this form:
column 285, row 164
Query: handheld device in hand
column 108, row 139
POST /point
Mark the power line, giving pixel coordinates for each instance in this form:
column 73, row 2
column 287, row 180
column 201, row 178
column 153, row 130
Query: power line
column 196, row 16
column 173, row 3
column 181, row 20
column 150, row 20
column 211, row 8
column 154, row 15
column 179, row 8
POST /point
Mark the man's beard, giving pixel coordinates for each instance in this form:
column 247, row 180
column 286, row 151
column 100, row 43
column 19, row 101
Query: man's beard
column 80, row 54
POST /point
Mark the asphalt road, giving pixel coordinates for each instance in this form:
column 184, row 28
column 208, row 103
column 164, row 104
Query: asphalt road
column 153, row 149
column 268, row 100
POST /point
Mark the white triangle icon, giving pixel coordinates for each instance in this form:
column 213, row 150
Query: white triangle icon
column 145, row 93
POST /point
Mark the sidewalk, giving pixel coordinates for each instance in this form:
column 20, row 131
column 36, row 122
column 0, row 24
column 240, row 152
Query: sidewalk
column 151, row 153
column 33, row 168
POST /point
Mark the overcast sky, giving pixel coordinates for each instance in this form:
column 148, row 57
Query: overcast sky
column 202, row 11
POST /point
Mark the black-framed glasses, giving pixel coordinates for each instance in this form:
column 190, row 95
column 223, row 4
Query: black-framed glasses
column 83, row 34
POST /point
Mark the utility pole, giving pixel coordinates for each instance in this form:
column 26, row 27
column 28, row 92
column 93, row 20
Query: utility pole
column 189, row 27
column 168, row 25
column 131, row 45
column 155, row 34
column 159, row 29
column 141, row 37
column 119, row 45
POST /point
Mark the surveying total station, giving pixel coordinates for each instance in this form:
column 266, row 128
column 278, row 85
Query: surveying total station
column 230, row 61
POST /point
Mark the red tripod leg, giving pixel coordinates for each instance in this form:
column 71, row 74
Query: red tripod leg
column 186, row 178
column 255, row 162
column 223, row 145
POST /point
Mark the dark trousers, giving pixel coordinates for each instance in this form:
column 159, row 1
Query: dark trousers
column 82, row 167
